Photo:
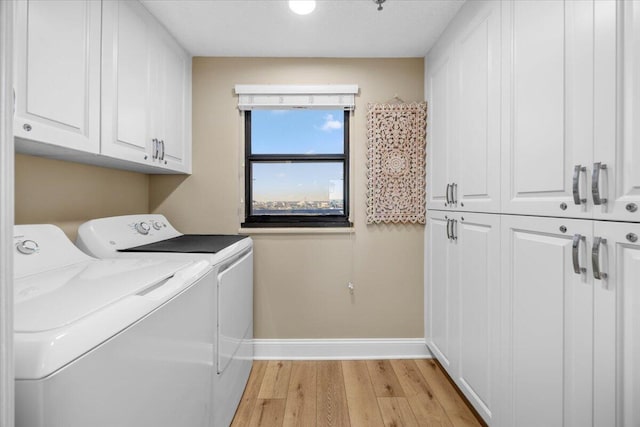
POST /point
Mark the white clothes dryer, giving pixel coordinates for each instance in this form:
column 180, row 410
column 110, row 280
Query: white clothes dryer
column 103, row 343
column 231, row 256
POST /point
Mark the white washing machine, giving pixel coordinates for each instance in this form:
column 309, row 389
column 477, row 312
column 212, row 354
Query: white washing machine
column 231, row 257
column 104, row 343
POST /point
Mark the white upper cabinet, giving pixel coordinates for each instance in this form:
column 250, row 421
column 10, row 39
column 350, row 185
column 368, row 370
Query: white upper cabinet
column 617, row 112
column 146, row 90
column 463, row 93
column 57, row 74
column 126, row 75
column 440, row 149
column 571, row 108
column 547, row 106
column 477, row 119
column 173, row 102
column 101, row 83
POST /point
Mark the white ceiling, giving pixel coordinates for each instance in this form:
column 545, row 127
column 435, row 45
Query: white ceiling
column 337, row 28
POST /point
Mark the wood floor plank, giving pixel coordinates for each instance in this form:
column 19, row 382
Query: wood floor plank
column 352, row 394
column 396, row 412
column 276, row 380
column 428, row 411
column 300, row 409
column 456, row 408
column 250, row 395
column 268, row 413
column 410, row 378
column 422, row 399
column 384, row 379
column 332, row 409
column 361, row 399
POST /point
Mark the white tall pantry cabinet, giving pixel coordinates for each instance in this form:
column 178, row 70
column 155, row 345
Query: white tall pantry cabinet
column 549, row 287
column 463, row 175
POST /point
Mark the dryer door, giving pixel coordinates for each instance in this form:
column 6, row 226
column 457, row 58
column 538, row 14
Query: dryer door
column 235, row 309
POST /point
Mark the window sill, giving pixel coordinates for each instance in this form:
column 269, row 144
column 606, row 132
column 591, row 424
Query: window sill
column 297, row 230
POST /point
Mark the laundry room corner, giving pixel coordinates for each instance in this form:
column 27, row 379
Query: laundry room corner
column 301, row 278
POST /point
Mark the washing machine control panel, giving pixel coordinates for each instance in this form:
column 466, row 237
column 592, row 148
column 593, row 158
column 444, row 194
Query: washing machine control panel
column 103, row 237
column 27, row 247
column 142, row 227
column 149, row 228
column 42, row 247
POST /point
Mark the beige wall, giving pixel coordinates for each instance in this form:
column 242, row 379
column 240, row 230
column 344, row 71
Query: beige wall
column 67, row 194
column 300, row 286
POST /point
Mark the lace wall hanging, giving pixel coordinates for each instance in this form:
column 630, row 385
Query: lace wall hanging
column 396, row 163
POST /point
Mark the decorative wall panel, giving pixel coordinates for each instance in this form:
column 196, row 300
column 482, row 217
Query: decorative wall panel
column 396, row 163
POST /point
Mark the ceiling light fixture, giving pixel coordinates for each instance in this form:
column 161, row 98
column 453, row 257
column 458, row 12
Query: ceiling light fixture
column 302, row 7
column 379, row 3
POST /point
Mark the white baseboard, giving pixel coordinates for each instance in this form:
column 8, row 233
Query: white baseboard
column 340, row 349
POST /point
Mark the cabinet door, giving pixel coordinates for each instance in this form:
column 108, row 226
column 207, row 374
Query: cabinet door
column 126, row 81
column 440, row 149
column 57, row 81
column 173, row 100
column 477, row 308
column 478, row 111
column 617, row 114
column 547, row 316
column 547, row 105
column 440, row 291
column 617, row 322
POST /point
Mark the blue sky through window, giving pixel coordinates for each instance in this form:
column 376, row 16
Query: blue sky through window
column 297, row 131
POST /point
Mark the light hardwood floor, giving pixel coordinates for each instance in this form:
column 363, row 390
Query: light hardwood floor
column 352, row 393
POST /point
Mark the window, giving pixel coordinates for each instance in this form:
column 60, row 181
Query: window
column 296, row 168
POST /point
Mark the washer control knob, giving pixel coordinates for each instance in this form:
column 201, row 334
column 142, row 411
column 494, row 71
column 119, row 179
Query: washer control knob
column 27, row 247
column 156, row 224
column 142, row 227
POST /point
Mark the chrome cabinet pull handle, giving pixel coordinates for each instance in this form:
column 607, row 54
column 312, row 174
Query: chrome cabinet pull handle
column 447, row 194
column 595, row 183
column 454, row 193
column 162, row 155
column 448, row 229
column 451, row 194
column 576, row 184
column 576, row 254
column 595, row 258
column 454, row 229
column 154, row 150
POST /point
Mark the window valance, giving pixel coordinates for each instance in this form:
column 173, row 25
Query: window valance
column 251, row 97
